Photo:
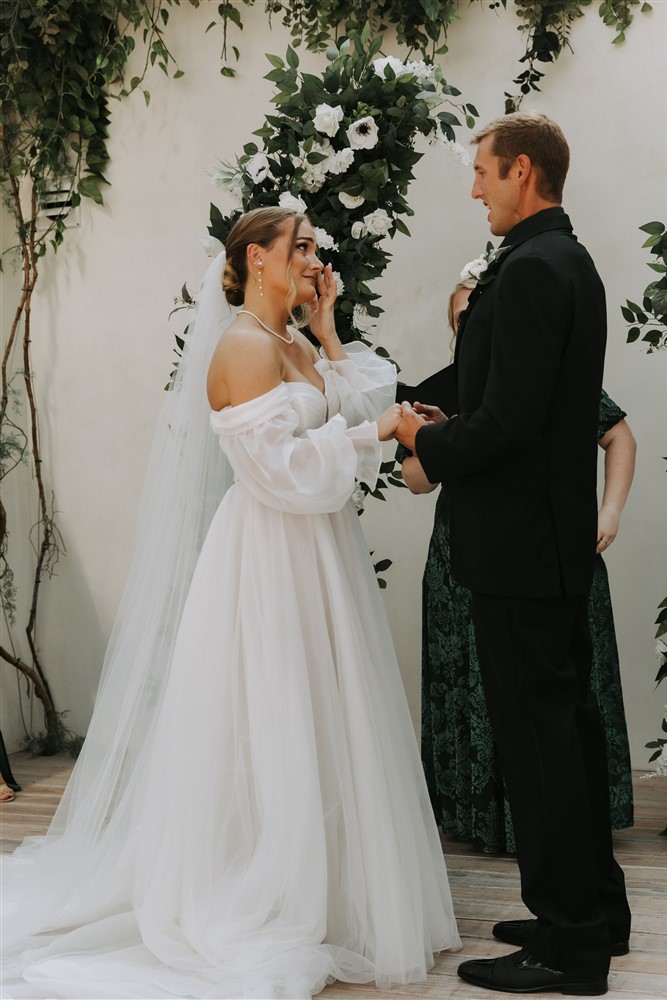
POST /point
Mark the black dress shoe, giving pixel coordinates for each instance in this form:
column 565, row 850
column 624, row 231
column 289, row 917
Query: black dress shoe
column 518, row 932
column 521, row 973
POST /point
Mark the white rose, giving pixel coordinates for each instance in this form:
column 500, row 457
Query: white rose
column 358, row 497
column 340, row 161
column 361, row 321
column 258, row 167
column 474, row 269
column 288, row 200
column 340, row 284
column 324, row 240
column 363, row 134
column 327, row 119
column 211, row 245
column 420, row 69
column 396, row 64
column 378, row 222
column 358, row 230
column 350, row 200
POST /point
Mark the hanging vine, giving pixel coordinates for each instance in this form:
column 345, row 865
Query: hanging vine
column 60, row 64
column 547, row 25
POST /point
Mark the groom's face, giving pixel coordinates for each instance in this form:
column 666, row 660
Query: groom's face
column 501, row 195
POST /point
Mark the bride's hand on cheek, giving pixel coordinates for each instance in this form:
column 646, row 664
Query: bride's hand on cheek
column 322, row 322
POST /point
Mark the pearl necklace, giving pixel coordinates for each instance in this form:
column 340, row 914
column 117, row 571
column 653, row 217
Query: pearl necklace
column 286, row 340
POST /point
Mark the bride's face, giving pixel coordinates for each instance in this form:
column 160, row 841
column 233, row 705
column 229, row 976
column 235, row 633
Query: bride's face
column 290, row 269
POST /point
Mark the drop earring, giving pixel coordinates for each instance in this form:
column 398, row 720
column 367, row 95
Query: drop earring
column 259, row 282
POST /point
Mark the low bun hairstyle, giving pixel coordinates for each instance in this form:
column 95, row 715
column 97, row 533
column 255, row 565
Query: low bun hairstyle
column 262, row 226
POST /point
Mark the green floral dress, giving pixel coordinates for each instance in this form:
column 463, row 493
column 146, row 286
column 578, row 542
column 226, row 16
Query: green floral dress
column 458, row 753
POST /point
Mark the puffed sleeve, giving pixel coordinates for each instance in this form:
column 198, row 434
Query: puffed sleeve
column 309, row 473
column 359, row 388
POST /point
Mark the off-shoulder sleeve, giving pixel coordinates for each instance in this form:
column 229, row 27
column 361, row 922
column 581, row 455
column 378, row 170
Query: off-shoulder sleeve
column 359, row 388
column 311, row 473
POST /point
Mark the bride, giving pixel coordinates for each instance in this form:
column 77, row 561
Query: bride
column 248, row 817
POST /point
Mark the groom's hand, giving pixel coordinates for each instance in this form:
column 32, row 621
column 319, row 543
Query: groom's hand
column 410, row 423
column 432, row 414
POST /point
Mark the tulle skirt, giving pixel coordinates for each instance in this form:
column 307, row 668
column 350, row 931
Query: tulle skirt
column 280, row 835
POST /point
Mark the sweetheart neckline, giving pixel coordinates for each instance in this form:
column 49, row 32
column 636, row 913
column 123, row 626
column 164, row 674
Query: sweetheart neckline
column 264, row 395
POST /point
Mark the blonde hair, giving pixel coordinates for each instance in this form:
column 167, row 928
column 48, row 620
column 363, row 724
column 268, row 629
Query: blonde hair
column 468, row 285
column 536, row 136
column 262, row 226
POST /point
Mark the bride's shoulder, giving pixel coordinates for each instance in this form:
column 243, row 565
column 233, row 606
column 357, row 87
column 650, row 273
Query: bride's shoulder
column 245, row 364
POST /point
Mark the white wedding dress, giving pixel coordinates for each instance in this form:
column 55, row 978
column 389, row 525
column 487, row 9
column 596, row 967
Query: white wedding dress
column 278, row 834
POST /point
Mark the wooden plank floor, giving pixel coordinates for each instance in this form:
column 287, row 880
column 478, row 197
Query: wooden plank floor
column 484, row 888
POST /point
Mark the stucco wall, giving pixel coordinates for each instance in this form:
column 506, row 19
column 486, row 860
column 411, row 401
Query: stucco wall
column 103, row 345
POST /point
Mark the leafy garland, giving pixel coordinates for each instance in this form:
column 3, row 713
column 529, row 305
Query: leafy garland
column 652, row 314
column 422, row 25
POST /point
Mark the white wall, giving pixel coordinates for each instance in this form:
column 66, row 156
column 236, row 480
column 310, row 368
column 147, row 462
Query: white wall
column 103, row 346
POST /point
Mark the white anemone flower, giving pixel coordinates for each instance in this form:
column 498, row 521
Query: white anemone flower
column 363, row 134
column 258, row 167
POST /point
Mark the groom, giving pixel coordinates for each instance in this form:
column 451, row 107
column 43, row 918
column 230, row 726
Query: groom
column 519, row 463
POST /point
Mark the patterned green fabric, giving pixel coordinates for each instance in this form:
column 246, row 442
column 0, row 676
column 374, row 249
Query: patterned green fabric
column 458, row 753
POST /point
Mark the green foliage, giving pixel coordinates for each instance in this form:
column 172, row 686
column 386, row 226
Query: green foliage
column 419, row 24
column 651, row 316
column 60, row 64
column 341, row 146
column 297, row 159
column 547, row 25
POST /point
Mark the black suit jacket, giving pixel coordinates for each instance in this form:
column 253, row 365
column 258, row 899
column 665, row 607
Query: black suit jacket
column 520, row 458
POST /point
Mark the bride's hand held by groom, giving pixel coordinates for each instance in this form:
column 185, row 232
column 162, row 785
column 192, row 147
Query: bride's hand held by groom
column 413, row 419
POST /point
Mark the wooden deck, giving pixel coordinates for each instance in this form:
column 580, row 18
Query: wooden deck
column 485, row 889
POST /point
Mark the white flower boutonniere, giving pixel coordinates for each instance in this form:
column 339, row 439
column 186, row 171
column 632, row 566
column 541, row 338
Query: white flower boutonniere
column 482, row 270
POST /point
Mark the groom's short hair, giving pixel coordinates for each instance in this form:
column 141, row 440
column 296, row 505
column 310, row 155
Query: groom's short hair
column 536, row 136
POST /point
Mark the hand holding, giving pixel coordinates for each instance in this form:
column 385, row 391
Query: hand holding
column 432, row 414
column 608, row 521
column 388, row 421
column 411, row 422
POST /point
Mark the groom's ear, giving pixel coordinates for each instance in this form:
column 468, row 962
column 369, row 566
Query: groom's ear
column 524, row 168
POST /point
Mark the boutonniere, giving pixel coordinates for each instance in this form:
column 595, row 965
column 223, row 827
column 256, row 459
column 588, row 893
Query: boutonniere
column 482, row 270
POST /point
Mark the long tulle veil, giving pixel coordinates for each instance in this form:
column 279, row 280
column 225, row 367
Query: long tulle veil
column 186, row 478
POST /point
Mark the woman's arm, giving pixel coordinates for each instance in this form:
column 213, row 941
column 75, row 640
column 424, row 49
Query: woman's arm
column 620, row 448
column 415, row 477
